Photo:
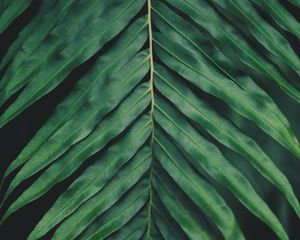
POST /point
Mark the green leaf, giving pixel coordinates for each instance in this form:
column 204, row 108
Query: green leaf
column 31, row 36
column 123, row 50
column 204, row 155
column 67, row 164
column 262, row 31
column 231, row 43
column 222, row 130
column 199, row 191
column 101, row 29
column 196, row 69
column 157, row 138
column 88, row 116
column 281, row 16
column 113, row 188
column 10, row 12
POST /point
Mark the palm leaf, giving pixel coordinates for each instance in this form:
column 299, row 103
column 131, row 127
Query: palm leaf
column 142, row 120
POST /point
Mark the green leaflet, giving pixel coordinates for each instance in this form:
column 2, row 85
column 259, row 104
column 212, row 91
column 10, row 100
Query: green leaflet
column 192, row 228
column 87, row 117
column 132, row 230
column 123, row 50
column 228, row 40
column 203, row 154
column 44, row 46
column 281, row 16
column 3, row 5
column 181, row 31
column 165, row 223
column 196, row 69
column 111, row 193
column 262, row 31
column 62, row 168
column 92, row 181
column 295, row 2
column 111, row 23
column 116, row 217
column 201, row 192
column 186, row 34
column 222, row 130
column 14, row 9
column 30, row 37
column 141, row 120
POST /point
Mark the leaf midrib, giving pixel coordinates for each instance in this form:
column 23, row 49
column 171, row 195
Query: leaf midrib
column 151, row 83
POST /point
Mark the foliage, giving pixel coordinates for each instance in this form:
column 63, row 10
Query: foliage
column 163, row 109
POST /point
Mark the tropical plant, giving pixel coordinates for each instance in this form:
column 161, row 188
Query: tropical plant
column 181, row 96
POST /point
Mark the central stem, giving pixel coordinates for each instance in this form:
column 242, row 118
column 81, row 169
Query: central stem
column 151, row 56
column 152, row 117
